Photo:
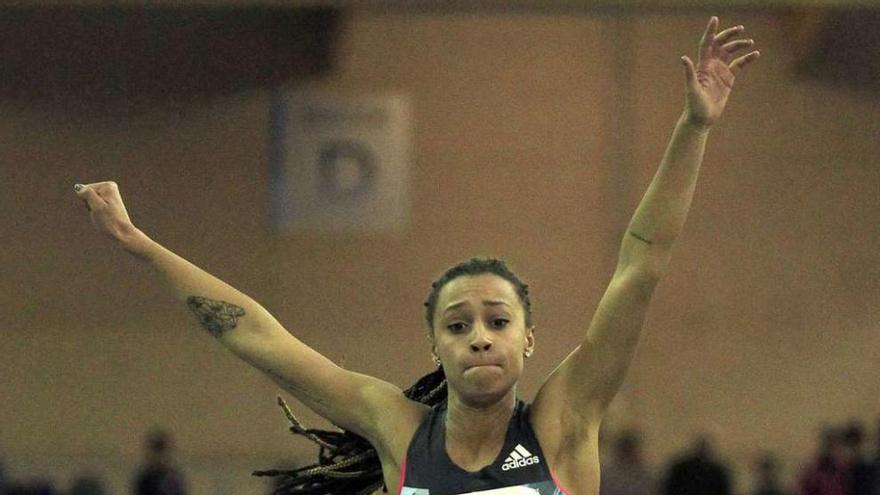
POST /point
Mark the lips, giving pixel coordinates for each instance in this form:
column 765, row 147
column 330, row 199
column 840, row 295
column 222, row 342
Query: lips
column 482, row 365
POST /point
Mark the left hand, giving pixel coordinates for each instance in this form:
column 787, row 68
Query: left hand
column 710, row 81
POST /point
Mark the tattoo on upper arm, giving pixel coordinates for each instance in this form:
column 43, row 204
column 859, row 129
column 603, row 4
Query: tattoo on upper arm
column 637, row 236
column 217, row 316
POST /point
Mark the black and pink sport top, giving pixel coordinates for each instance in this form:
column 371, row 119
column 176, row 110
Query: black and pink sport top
column 520, row 468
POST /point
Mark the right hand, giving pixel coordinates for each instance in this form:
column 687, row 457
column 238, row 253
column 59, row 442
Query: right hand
column 107, row 210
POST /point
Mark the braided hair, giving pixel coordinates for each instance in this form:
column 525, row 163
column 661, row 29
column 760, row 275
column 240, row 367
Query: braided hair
column 348, row 463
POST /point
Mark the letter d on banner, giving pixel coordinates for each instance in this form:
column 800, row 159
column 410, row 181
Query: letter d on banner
column 339, row 163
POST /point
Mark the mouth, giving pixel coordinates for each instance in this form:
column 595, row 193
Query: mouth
column 482, row 365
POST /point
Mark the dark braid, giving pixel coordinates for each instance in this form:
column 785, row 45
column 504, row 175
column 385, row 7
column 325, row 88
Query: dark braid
column 347, row 463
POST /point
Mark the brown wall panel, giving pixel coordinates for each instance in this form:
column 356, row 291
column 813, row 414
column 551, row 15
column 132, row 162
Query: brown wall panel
column 764, row 326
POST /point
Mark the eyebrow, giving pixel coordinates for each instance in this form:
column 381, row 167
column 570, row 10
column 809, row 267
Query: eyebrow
column 485, row 303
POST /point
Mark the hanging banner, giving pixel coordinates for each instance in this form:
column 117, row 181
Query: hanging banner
column 339, row 163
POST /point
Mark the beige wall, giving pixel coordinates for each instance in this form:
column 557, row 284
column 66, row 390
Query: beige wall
column 533, row 138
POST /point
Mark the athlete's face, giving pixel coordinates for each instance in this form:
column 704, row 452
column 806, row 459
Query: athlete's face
column 480, row 336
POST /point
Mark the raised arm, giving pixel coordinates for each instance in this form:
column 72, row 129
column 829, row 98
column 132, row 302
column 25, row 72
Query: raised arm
column 353, row 401
column 580, row 389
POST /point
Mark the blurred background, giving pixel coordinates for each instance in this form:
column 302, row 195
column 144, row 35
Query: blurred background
column 531, row 131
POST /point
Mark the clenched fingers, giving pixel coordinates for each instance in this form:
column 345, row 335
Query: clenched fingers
column 98, row 194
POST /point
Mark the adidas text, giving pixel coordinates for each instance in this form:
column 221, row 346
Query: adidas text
column 507, row 466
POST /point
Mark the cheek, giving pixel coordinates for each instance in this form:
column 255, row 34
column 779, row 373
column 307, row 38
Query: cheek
column 443, row 348
column 518, row 362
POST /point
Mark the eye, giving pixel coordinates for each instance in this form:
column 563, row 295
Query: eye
column 456, row 327
column 500, row 322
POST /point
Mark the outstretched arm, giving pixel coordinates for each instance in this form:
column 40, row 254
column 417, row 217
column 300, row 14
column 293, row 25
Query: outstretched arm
column 353, row 401
column 647, row 244
column 583, row 385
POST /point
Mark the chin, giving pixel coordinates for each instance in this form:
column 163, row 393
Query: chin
column 483, row 398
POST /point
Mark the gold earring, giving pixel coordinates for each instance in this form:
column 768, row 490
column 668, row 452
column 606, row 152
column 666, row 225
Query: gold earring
column 527, row 354
column 437, row 361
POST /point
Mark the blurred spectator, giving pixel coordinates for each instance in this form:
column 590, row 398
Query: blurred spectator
column 159, row 475
column 827, row 473
column 31, row 488
column 876, row 463
column 2, row 479
column 87, row 485
column 862, row 472
column 698, row 472
column 767, row 476
column 627, row 474
column 877, row 445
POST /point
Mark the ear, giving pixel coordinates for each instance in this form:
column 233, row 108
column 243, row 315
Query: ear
column 434, row 355
column 530, row 341
column 433, row 346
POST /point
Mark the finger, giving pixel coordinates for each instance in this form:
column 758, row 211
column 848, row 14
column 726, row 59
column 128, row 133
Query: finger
column 725, row 35
column 77, row 188
column 741, row 62
column 708, row 36
column 108, row 191
column 88, row 194
column 690, row 72
column 737, row 45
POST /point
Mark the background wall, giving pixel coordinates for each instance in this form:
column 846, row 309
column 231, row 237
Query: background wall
column 534, row 136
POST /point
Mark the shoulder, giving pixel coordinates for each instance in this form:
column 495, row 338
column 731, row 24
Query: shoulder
column 570, row 445
column 392, row 433
column 563, row 431
column 394, row 437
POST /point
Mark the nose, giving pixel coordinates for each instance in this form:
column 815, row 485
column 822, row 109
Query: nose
column 480, row 339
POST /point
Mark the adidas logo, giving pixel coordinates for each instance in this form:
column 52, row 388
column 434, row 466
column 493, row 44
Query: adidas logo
column 519, row 457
